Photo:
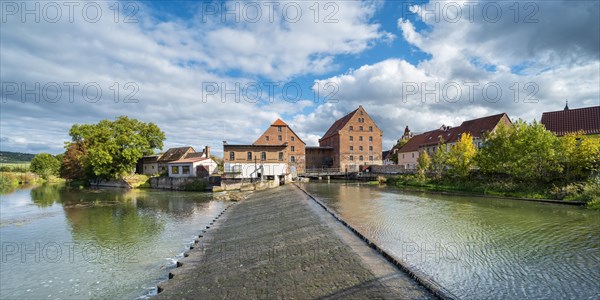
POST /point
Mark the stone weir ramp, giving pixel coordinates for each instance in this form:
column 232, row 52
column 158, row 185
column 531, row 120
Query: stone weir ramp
column 280, row 244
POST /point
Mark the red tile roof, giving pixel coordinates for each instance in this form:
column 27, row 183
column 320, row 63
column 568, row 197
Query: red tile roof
column 338, row 125
column 418, row 140
column 279, row 122
column 476, row 128
column 174, row 154
column 188, row 160
column 572, row 120
column 195, row 154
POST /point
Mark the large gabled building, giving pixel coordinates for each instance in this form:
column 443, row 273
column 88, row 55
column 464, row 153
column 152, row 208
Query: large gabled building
column 428, row 141
column 158, row 163
column 352, row 141
column 562, row 122
column 279, row 133
column 277, row 154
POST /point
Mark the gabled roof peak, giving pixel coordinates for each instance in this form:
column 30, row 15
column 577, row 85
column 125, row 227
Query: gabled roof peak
column 279, row 122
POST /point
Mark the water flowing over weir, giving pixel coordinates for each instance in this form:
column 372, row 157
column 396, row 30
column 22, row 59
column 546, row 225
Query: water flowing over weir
column 126, row 243
column 477, row 247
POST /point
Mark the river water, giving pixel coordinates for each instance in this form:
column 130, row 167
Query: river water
column 109, row 244
column 478, row 248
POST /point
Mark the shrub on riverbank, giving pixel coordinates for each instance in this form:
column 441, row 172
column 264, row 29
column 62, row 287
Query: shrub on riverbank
column 18, row 168
column 586, row 191
column 138, row 180
column 13, row 179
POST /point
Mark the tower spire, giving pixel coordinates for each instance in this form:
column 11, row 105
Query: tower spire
column 566, row 104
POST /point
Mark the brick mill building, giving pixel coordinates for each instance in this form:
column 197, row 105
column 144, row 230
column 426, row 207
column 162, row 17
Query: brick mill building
column 352, row 141
column 277, row 154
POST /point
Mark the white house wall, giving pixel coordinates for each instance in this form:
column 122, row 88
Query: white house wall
column 212, row 166
column 248, row 170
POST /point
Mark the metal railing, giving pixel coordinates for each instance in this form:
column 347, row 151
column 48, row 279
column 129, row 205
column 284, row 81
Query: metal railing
column 322, row 171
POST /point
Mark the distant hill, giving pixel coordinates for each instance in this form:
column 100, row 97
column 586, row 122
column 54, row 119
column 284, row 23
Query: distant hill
column 15, row 157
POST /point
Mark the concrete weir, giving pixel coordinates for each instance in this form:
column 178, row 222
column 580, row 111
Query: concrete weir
column 279, row 243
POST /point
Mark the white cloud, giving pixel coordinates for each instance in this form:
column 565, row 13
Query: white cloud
column 168, row 61
column 551, row 60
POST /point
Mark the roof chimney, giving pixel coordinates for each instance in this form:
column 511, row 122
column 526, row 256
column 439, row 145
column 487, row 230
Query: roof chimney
column 207, row 151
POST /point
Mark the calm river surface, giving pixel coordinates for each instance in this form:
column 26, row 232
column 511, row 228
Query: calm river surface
column 478, row 248
column 109, row 244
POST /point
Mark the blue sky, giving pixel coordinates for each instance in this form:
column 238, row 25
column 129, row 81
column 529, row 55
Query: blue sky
column 417, row 64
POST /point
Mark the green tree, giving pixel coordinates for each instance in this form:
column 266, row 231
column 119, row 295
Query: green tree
column 424, row 165
column 219, row 162
column 578, row 156
column 45, row 165
column 72, row 166
column 398, row 146
column 112, row 148
column 460, row 159
column 533, row 152
column 438, row 160
column 496, row 155
column 526, row 152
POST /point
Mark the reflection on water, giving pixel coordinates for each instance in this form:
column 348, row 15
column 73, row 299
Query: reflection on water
column 479, row 248
column 64, row 243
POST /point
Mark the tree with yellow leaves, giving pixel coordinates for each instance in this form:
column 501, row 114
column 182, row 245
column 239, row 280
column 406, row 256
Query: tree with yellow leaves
column 460, row 158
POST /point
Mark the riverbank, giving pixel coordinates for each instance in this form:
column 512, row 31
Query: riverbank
column 585, row 193
column 12, row 180
column 280, row 244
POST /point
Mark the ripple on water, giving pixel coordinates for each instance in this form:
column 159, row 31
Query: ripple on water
column 476, row 247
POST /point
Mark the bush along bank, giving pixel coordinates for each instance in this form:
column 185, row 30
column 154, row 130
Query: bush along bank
column 521, row 160
column 586, row 191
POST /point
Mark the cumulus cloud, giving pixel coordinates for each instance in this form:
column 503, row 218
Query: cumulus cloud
column 480, row 64
column 160, row 63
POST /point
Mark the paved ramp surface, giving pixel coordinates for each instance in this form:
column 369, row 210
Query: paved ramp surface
column 279, row 244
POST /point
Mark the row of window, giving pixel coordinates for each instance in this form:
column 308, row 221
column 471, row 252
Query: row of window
column 184, row 170
column 263, row 156
column 360, row 128
column 280, row 138
column 360, row 157
column 360, row 148
column 360, row 138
